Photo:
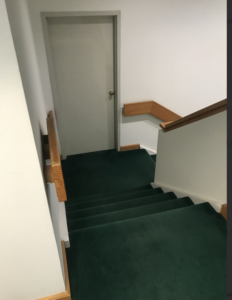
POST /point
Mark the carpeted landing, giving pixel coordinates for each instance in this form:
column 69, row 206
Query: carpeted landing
column 132, row 242
column 106, row 171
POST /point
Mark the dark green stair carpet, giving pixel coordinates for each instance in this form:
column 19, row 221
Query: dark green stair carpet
column 119, row 198
column 153, row 157
column 173, row 255
column 130, row 241
column 144, row 188
column 130, row 213
column 132, row 202
column 106, row 171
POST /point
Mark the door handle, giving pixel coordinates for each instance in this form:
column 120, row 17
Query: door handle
column 111, row 93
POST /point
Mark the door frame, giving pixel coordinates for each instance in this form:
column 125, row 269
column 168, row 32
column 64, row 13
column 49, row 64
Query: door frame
column 117, row 47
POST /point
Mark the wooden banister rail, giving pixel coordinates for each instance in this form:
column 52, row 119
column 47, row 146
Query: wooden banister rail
column 150, row 107
column 198, row 115
column 55, row 159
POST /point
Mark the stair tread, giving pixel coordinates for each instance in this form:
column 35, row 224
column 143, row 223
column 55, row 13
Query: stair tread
column 169, row 253
column 96, row 210
column 108, row 194
column 128, row 213
column 118, row 198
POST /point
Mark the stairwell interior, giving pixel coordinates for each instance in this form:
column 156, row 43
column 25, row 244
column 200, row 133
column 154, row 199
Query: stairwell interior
column 129, row 240
column 135, row 226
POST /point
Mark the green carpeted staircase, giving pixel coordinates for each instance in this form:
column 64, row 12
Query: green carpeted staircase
column 130, row 241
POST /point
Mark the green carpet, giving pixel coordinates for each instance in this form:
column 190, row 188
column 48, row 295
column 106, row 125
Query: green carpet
column 174, row 255
column 113, row 199
column 86, row 199
column 120, row 205
column 106, row 171
column 130, row 241
column 128, row 213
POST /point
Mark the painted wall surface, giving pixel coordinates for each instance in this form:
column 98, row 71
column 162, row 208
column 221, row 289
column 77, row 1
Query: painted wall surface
column 30, row 266
column 58, row 216
column 172, row 52
column 37, row 103
column 192, row 159
column 38, row 106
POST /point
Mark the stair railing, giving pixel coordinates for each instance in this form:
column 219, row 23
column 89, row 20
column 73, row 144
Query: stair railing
column 172, row 120
column 54, row 172
column 150, row 107
column 196, row 116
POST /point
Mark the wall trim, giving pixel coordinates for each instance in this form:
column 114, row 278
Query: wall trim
column 196, row 199
column 67, row 294
column 224, row 211
column 130, row 147
column 149, row 151
column 150, row 107
column 137, row 146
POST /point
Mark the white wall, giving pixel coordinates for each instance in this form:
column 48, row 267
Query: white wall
column 192, row 159
column 58, row 216
column 172, row 52
column 38, row 104
column 30, row 266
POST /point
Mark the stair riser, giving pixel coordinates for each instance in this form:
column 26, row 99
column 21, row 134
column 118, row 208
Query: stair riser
column 116, row 199
column 128, row 214
column 107, row 195
column 83, row 213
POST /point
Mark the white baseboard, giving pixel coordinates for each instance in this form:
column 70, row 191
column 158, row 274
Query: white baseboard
column 196, row 200
column 150, row 151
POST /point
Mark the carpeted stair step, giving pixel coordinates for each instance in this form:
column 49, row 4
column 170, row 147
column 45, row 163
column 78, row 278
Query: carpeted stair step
column 165, row 256
column 83, row 213
column 128, row 213
column 109, row 194
column 108, row 200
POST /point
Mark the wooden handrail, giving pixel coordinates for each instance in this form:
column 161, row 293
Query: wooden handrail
column 150, row 107
column 198, row 115
column 55, row 160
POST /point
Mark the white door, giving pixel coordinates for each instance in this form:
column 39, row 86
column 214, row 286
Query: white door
column 82, row 51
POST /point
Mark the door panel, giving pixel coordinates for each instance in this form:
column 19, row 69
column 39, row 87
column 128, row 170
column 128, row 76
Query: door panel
column 82, row 57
